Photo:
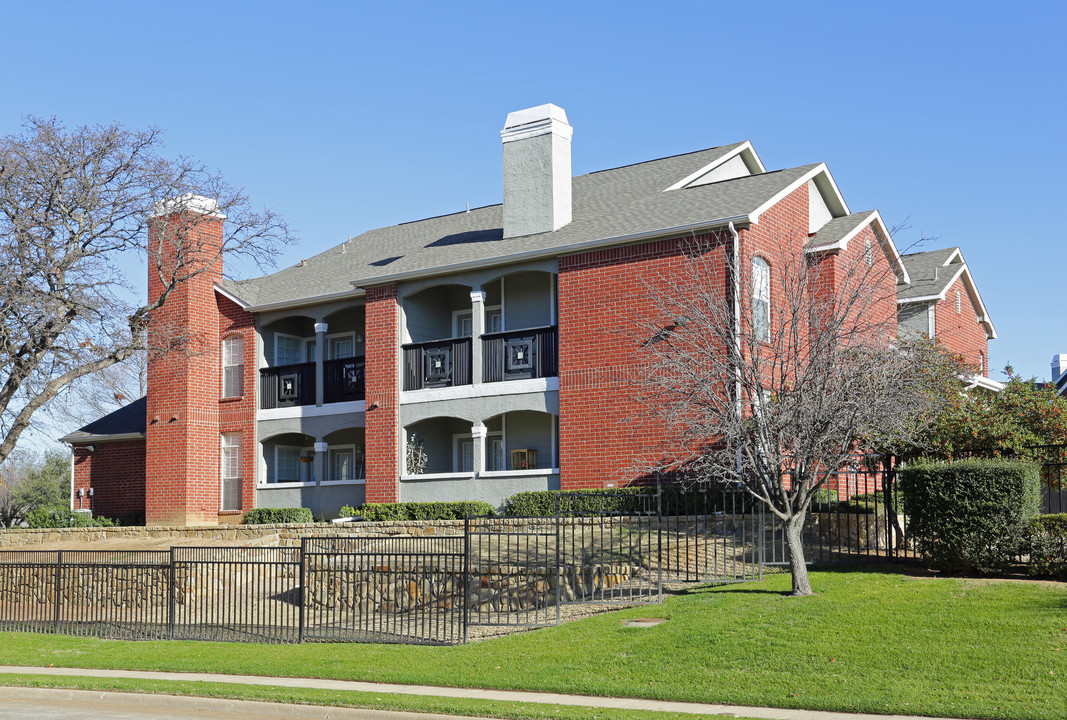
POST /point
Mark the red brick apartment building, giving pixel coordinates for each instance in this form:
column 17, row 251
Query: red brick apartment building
column 473, row 355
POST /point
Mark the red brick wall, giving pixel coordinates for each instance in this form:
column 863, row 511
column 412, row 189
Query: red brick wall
column 116, row 473
column 961, row 332
column 606, row 434
column 383, row 394
column 239, row 414
column 182, row 434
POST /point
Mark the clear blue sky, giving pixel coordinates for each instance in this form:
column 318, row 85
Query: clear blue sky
column 347, row 116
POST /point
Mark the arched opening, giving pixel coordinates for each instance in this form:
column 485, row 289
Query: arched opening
column 437, row 333
column 288, row 458
column 437, row 446
column 522, row 440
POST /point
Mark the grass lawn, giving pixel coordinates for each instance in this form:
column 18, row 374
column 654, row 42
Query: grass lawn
column 870, row 641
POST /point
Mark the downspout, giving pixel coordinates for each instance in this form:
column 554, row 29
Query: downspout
column 737, row 326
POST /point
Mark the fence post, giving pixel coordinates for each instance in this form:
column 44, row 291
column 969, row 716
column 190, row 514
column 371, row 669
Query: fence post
column 558, row 570
column 59, row 591
column 659, row 541
column 172, row 590
column 301, row 587
column 465, row 574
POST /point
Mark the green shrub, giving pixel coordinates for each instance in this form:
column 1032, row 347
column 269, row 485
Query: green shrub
column 970, row 515
column 274, row 516
column 542, row 503
column 53, row 518
column 379, row 512
column 1048, row 546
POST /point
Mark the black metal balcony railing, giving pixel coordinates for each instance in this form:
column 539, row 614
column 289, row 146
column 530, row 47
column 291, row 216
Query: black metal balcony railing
column 344, row 379
column 520, row 354
column 436, row 364
column 287, row 386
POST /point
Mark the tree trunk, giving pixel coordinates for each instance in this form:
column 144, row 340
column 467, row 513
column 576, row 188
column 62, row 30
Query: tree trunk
column 794, row 527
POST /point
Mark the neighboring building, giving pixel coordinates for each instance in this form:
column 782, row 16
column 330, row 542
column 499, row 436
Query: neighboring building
column 468, row 356
column 942, row 301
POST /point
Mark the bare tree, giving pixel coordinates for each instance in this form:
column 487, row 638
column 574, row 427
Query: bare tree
column 775, row 374
column 75, row 209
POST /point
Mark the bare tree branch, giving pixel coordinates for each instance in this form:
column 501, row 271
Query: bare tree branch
column 76, row 206
column 777, row 380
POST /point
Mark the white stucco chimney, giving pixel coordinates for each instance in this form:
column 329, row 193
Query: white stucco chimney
column 537, row 170
column 1059, row 365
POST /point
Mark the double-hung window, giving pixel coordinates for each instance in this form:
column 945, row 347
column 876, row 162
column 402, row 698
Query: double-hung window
column 761, row 299
column 233, row 366
column 231, row 471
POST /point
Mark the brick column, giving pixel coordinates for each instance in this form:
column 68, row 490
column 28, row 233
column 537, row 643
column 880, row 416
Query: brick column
column 182, row 442
column 383, row 394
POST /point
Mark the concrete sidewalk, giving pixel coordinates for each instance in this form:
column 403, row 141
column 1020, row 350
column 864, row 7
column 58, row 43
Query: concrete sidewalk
column 429, row 690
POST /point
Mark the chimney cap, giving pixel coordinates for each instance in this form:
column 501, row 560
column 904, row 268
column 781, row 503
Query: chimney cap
column 540, row 113
column 189, row 202
column 540, row 120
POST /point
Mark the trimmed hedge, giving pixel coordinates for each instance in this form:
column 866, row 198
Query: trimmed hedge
column 380, row 512
column 276, row 516
column 1048, row 546
column 970, row 515
column 48, row 518
column 542, row 503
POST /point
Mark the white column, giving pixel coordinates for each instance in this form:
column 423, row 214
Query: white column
column 320, row 460
column 320, row 352
column 477, row 328
column 479, row 432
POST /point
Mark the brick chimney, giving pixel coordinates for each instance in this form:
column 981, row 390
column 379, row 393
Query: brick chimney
column 537, row 171
column 182, row 443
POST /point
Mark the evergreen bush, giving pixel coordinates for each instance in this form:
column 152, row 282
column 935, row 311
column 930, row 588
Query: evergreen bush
column 970, row 515
column 274, row 516
column 380, row 512
column 1048, row 546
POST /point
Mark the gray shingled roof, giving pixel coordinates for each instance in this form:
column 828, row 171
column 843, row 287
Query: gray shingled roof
column 608, row 204
column 128, row 421
column 928, row 273
column 833, row 231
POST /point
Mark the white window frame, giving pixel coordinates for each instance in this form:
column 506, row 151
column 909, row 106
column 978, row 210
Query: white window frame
column 301, row 479
column 458, row 315
column 304, row 343
column 959, row 302
column 229, row 441
column 350, row 336
column 229, row 339
column 457, row 452
column 868, row 252
column 761, row 294
column 331, row 452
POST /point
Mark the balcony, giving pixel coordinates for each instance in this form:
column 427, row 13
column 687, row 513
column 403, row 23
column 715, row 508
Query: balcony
column 287, row 386
column 437, row 364
column 344, row 379
column 520, row 354
column 294, row 385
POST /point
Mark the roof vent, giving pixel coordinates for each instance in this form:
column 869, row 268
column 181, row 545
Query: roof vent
column 537, row 170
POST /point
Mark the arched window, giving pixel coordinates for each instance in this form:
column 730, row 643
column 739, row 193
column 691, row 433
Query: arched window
column 761, row 299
